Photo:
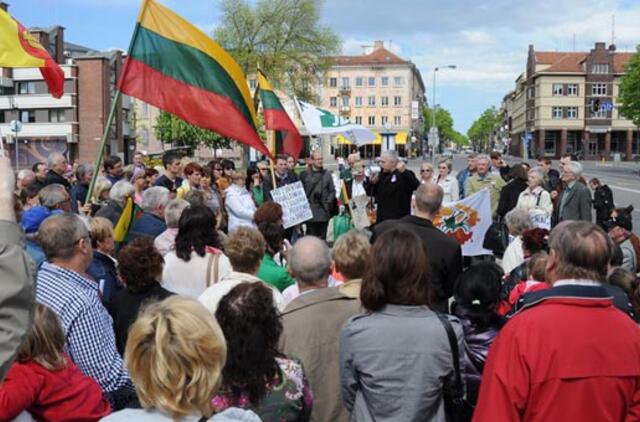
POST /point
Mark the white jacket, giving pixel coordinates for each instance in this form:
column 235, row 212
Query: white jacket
column 529, row 200
column 190, row 278
column 240, row 207
column 450, row 187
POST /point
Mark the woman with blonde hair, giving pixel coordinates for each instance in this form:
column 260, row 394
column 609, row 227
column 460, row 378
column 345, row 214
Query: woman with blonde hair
column 175, row 354
column 44, row 382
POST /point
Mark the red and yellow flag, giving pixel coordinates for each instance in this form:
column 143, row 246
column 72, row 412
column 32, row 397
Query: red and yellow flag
column 276, row 118
column 177, row 68
column 18, row 48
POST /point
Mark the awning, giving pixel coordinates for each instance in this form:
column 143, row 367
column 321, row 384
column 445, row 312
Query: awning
column 378, row 140
column 401, row 138
column 341, row 140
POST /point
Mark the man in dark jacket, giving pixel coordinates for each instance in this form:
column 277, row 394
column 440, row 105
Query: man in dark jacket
column 150, row 223
column 57, row 164
column 283, row 177
column 574, row 202
column 393, row 187
column 551, row 176
column 318, row 185
column 444, row 253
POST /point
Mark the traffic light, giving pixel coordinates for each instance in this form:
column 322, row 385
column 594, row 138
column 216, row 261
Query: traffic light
column 595, row 105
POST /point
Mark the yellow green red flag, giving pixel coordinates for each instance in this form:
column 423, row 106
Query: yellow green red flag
column 18, row 48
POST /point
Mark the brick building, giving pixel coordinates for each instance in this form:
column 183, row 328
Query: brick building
column 567, row 102
column 73, row 124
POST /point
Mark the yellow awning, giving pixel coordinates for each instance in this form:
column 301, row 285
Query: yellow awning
column 378, row 140
column 342, row 140
column 401, row 138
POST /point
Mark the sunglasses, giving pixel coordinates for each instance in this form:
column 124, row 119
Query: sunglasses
column 426, row 171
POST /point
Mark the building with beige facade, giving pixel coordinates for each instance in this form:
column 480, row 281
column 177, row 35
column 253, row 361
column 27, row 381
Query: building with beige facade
column 378, row 90
column 567, row 102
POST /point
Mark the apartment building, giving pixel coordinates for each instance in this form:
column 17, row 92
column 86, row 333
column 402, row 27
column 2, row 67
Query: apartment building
column 381, row 91
column 72, row 125
column 566, row 102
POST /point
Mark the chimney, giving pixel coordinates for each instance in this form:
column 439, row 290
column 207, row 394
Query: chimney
column 4, row 6
column 600, row 46
column 377, row 45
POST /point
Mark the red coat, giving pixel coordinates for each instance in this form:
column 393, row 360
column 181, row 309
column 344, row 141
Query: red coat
column 564, row 359
column 65, row 395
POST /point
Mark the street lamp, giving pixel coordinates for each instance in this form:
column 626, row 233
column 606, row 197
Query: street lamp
column 434, row 129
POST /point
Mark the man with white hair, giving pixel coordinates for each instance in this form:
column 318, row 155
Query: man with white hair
column 25, row 178
column 484, row 179
column 311, row 326
column 165, row 242
column 57, row 164
column 575, row 199
column 150, row 223
column 117, row 197
column 393, row 187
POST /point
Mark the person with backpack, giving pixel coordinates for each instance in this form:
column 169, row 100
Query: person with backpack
column 602, row 201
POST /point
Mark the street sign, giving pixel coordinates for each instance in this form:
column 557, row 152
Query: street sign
column 434, row 138
column 16, row 126
column 606, row 106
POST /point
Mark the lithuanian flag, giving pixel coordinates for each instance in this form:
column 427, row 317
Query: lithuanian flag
column 18, row 48
column 176, row 67
column 276, row 118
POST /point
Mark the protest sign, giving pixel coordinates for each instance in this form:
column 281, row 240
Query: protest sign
column 294, row 202
column 358, row 208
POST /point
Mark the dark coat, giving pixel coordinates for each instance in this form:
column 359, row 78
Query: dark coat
column 509, row 196
column 603, row 203
column 578, row 205
column 393, row 194
column 267, row 183
column 111, row 211
column 78, row 194
column 146, row 225
column 318, row 185
column 125, row 305
column 53, row 177
column 165, row 182
column 103, row 270
column 443, row 252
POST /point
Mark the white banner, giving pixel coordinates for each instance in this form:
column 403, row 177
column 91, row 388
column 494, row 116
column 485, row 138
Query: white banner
column 358, row 207
column 294, row 202
column 467, row 221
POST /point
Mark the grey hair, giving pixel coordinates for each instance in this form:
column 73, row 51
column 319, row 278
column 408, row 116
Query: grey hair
column 173, row 211
column 390, row 154
column 83, row 170
column 574, row 168
column 310, row 260
column 517, row 220
column 102, row 184
column 483, row 157
column 538, row 171
column 59, row 233
column 154, row 197
column 120, row 191
column 52, row 195
column 583, row 250
column 52, row 158
column 25, row 173
column 428, row 198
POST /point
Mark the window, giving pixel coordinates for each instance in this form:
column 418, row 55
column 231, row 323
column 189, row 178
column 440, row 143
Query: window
column 385, row 120
column 333, row 82
column 358, row 101
column 557, row 89
column 345, row 101
column 531, row 92
column 26, row 88
column 600, row 68
column 572, row 89
column 2, row 118
column 372, row 81
column 398, row 81
column 397, row 120
column 333, row 101
column 572, row 112
column 600, row 114
column 599, row 90
column 358, row 120
column 57, row 116
column 372, row 120
column 397, row 100
column 252, row 84
column 345, row 83
column 28, row 116
column 556, row 112
column 384, row 81
column 384, row 101
column 359, row 81
column 372, row 100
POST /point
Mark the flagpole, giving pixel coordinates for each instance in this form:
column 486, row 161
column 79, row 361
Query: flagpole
column 114, row 104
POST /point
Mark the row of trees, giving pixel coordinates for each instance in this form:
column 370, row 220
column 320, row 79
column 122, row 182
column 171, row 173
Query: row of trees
column 444, row 124
column 483, row 129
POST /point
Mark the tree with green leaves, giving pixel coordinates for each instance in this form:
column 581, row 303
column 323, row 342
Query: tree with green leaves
column 444, row 123
column 630, row 90
column 483, row 128
column 174, row 130
column 284, row 37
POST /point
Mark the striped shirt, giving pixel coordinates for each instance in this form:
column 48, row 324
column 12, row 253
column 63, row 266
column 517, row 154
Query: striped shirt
column 88, row 327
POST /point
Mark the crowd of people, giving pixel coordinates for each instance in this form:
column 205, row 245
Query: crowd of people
column 208, row 308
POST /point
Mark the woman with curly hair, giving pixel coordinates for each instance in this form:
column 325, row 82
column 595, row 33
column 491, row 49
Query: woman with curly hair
column 268, row 383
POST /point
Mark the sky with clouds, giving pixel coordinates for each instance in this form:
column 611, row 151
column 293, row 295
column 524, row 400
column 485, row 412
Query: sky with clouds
column 486, row 40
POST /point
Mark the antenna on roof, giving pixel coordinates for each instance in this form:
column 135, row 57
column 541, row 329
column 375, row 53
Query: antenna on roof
column 613, row 29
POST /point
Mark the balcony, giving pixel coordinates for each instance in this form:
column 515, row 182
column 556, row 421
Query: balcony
column 6, row 82
column 345, row 90
column 33, row 73
column 345, row 111
column 34, row 101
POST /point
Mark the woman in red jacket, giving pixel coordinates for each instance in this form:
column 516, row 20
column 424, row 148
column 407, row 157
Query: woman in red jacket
column 44, row 382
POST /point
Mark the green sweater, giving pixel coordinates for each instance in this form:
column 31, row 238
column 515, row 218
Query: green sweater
column 272, row 273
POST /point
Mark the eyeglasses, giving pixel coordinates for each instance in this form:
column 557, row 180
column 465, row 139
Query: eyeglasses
column 426, row 171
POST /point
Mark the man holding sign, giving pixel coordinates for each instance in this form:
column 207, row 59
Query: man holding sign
column 318, row 185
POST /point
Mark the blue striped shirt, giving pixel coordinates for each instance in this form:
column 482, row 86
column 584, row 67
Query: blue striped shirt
column 88, row 327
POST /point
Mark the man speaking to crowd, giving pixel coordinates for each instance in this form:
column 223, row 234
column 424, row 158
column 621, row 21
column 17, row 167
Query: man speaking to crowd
column 393, row 187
